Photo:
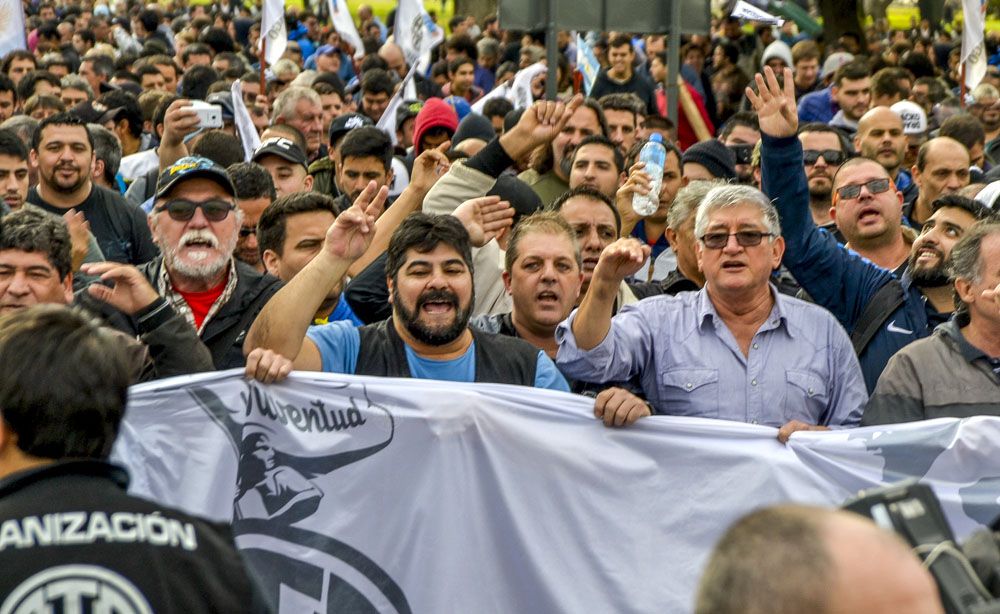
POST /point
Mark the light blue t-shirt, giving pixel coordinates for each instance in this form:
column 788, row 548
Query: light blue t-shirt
column 340, row 342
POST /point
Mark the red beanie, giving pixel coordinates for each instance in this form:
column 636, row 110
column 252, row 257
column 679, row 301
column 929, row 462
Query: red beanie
column 436, row 113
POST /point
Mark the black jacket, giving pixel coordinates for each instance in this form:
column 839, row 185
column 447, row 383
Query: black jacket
column 70, row 527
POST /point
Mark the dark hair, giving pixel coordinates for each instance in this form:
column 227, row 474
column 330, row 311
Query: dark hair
column 747, row 119
column 272, row 227
column 377, row 81
column 60, row 119
column 633, row 153
column 463, row 45
column 367, row 141
column 11, row 145
column 845, row 144
column 43, row 101
column 19, row 54
column 598, row 139
column 6, row 85
column 622, row 102
column 130, row 109
column 160, row 114
column 885, row 82
column 853, row 70
column 149, row 18
column 26, row 87
column 592, row 193
column 58, row 409
column 220, row 147
column 621, row 39
column 196, row 49
column 423, row 232
column 32, row 230
column 965, row 129
column 146, row 69
column 102, row 65
column 970, row 206
column 372, row 62
column 197, row 80
column 87, row 36
column 498, row 106
column 290, row 132
column 251, row 180
column 458, row 62
column 108, row 149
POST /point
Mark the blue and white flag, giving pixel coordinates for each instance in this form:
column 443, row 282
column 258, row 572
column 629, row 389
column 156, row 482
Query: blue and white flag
column 745, row 10
column 416, row 33
column 12, row 34
column 428, row 496
column 973, row 47
column 343, row 23
column 272, row 29
column 586, row 63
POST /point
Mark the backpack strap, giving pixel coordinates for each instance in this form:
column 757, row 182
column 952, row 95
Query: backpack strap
column 883, row 303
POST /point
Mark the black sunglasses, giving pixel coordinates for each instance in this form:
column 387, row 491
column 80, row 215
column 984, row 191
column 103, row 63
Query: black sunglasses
column 246, row 231
column 746, row 238
column 875, row 186
column 831, row 156
column 181, row 210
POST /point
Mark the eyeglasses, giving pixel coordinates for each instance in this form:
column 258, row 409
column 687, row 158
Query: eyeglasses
column 181, row 210
column 875, row 186
column 831, row 156
column 745, row 238
column 246, row 231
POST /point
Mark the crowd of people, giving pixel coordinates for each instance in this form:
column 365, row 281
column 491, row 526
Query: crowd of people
column 825, row 254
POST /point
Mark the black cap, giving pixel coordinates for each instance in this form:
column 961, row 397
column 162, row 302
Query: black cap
column 224, row 100
column 285, row 149
column 190, row 167
column 345, row 123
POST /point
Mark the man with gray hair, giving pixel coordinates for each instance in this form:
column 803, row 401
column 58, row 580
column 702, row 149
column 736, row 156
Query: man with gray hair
column 954, row 373
column 302, row 108
column 761, row 357
column 107, row 157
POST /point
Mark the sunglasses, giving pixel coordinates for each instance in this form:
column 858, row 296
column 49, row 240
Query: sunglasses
column 831, row 156
column 745, row 238
column 181, row 210
column 246, row 231
column 875, row 186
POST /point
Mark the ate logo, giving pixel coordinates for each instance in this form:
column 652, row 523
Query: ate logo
column 76, row 588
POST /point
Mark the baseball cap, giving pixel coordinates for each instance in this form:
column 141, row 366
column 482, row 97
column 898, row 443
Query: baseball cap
column 408, row 110
column 835, row 61
column 345, row 123
column 225, row 101
column 285, row 149
column 913, row 116
column 193, row 167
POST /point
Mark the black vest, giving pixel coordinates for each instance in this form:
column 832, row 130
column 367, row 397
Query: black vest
column 499, row 360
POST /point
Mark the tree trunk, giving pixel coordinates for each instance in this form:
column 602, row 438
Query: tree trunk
column 480, row 9
column 932, row 10
column 839, row 17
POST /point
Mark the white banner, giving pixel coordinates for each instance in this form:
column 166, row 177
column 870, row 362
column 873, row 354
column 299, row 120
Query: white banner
column 416, row 33
column 973, row 50
column 343, row 23
column 272, row 29
column 586, row 63
column 426, row 496
column 12, row 35
column 745, row 10
column 387, row 123
column 245, row 129
column 520, row 90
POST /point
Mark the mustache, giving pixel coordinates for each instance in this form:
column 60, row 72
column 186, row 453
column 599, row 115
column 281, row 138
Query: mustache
column 199, row 235
column 438, row 296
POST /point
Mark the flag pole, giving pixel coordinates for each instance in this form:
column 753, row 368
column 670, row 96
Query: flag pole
column 961, row 87
column 263, row 81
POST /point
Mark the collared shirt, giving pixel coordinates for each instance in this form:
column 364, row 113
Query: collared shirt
column 968, row 351
column 166, row 289
column 800, row 365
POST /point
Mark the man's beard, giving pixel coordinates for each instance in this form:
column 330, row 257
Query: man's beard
column 425, row 334
column 56, row 186
column 204, row 269
column 933, row 277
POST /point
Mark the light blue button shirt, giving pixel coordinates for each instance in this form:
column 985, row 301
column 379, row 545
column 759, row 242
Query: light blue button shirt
column 800, row 366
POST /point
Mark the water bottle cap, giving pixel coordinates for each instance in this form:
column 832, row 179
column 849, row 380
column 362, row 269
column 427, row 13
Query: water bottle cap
column 656, row 137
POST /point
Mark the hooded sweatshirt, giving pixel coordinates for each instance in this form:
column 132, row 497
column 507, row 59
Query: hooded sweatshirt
column 436, row 113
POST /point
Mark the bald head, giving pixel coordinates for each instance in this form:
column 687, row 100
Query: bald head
column 393, row 56
column 942, row 168
column 880, row 137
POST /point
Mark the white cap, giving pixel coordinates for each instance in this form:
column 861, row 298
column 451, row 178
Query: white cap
column 988, row 195
column 914, row 118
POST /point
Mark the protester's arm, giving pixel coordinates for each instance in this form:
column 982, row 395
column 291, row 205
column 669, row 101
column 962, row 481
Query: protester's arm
column 638, row 183
column 427, row 169
column 848, row 393
column 618, row 407
column 173, row 344
column 898, row 396
column 179, row 122
column 267, row 367
column 619, row 260
column 281, row 326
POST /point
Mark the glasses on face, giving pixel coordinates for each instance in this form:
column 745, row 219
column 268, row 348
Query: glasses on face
column 875, row 186
column 830, row 156
column 745, row 238
column 246, row 231
column 181, row 210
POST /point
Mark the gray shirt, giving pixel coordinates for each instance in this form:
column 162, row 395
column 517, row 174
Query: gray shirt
column 800, row 366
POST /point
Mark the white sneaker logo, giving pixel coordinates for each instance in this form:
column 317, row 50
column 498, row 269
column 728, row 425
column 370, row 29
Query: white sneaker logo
column 892, row 328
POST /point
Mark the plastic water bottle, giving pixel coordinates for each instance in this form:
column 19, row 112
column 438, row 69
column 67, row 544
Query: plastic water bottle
column 655, row 156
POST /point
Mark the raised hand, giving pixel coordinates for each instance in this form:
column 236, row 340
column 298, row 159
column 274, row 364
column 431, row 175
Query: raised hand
column 539, row 124
column 430, row 166
column 353, row 230
column 130, row 292
column 79, row 235
column 267, row 366
column 775, row 106
column 637, row 183
column 619, row 260
column 485, row 218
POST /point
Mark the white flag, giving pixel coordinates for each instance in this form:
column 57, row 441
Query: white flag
column 244, row 124
column 500, row 91
column 745, row 10
column 586, row 63
column 12, row 36
column 359, row 490
column 973, row 50
column 520, row 91
column 387, row 123
column 272, row 29
column 415, row 33
column 343, row 23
